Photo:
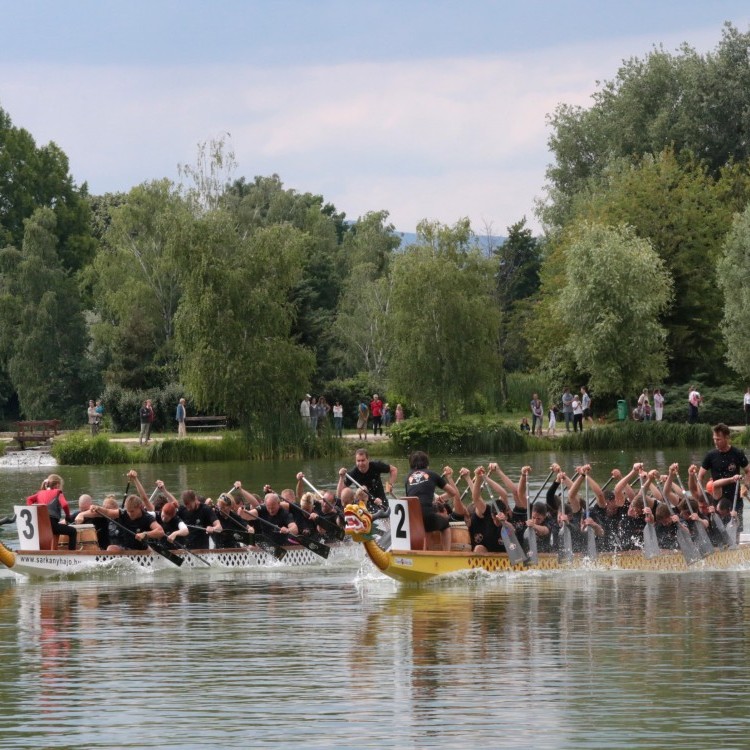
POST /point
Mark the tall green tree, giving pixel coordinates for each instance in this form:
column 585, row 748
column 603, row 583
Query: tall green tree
column 444, row 320
column 34, row 177
column 695, row 104
column 44, row 339
column 733, row 273
column 616, row 289
column 234, row 323
column 518, row 265
column 360, row 330
column 137, row 285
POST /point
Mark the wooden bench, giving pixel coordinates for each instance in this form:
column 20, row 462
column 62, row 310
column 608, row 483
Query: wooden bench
column 205, row 423
column 36, row 431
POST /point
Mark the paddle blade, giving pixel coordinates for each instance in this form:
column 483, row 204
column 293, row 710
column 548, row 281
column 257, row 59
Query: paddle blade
column 512, row 547
column 687, row 546
column 318, row 548
column 591, row 552
column 160, row 549
column 650, row 542
column 533, row 555
column 732, row 528
column 269, row 546
column 566, row 544
column 704, row 543
column 722, row 531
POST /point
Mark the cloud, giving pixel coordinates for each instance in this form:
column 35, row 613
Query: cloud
column 436, row 138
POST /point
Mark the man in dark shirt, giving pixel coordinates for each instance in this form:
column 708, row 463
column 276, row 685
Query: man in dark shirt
column 130, row 526
column 196, row 514
column 724, row 461
column 273, row 512
column 367, row 473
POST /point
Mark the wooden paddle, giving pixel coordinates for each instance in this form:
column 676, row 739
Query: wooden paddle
column 332, row 528
column 507, row 533
column 705, row 547
column 650, row 540
column 591, row 552
column 318, row 548
column 187, row 551
column 152, row 544
column 716, row 520
column 684, row 540
column 565, row 552
column 733, row 526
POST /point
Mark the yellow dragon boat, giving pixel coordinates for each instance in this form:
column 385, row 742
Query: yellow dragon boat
column 416, row 557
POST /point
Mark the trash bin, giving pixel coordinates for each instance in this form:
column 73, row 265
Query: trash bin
column 622, row 409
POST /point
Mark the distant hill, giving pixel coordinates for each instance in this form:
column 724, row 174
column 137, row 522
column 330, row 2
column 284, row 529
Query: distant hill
column 409, row 238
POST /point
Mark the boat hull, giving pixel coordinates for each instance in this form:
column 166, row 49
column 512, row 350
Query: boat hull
column 45, row 563
column 418, row 566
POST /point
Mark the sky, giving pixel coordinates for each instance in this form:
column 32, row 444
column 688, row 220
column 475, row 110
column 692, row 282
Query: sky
column 426, row 109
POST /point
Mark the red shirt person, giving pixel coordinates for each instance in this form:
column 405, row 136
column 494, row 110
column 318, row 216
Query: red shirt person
column 376, row 411
column 51, row 495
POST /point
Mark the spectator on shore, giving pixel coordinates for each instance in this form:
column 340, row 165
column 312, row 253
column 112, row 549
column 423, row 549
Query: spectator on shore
column 658, row 404
column 180, row 417
column 537, row 414
column 399, row 413
column 525, row 426
column 338, row 419
column 694, row 401
column 567, row 407
column 146, row 416
column 93, row 419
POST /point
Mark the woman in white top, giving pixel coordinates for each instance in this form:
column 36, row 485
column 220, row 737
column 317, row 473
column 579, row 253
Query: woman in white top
column 658, row 404
column 577, row 414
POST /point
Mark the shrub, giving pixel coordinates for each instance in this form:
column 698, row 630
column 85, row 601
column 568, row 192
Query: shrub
column 519, row 388
column 461, row 435
column 79, row 449
column 122, row 405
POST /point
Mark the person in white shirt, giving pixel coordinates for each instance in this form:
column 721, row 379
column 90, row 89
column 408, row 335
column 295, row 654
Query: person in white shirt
column 658, row 404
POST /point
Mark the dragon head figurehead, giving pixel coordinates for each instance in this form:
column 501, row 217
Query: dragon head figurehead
column 358, row 522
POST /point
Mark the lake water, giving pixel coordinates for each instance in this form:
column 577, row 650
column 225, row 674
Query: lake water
column 340, row 657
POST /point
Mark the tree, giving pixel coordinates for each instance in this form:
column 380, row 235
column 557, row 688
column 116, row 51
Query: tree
column 234, row 323
column 34, row 177
column 517, row 278
column 733, row 271
column 45, row 340
column 137, row 284
column 695, row 104
column 444, row 320
column 685, row 213
column 617, row 287
column 361, row 326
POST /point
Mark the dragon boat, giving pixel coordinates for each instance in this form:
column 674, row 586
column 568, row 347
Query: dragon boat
column 38, row 555
column 416, row 556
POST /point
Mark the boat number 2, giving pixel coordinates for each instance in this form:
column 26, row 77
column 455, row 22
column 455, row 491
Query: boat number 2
column 400, row 513
column 400, row 527
column 28, row 529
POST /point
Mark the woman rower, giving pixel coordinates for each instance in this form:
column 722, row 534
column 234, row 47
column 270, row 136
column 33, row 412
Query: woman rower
column 51, row 495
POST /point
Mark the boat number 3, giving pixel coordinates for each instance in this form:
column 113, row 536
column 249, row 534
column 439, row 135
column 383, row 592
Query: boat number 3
column 27, row 529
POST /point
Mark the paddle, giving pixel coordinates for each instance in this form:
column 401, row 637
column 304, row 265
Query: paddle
column 8, row 519
column 243, row 536
column 332, row 528
column 650, row 540
column 259, row 539
column 733, row 526
column 160, row 549
column 507, row 533
column 705, row 547
column 529, row 533
column 187, row 551
column 716, row 520
column 125, row 494
column 684, row 540
column 565, row 552
column 372, row 499
column 591, row 552
column 318, row 548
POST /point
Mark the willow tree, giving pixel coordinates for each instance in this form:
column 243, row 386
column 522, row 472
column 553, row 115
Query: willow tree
column 733, row 271
column 616, row 288
column 444, row 320
column 233, row 326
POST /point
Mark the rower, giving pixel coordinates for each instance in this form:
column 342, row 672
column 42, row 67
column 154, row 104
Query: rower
column 51, row 495
column 174, row 527
column 272, row 511
column 197, row 514
column 367, row 473
column 132, row 525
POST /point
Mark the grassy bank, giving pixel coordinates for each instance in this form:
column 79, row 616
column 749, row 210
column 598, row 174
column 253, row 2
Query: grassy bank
column 80, row 449
column 465, row 435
